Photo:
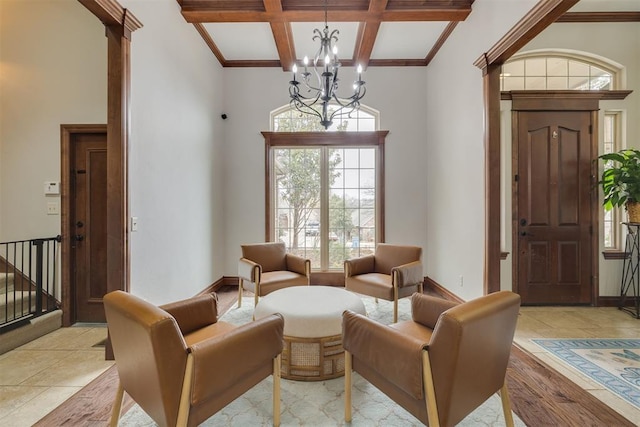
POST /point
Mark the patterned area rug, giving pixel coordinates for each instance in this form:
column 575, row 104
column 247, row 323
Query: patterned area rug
column 321, row 403
column 613, row 363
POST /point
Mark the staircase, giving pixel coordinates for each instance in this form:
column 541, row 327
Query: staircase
column 14, row 304
column 28, row 302
column 14, row 308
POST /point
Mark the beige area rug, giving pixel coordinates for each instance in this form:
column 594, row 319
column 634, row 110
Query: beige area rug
column 321, row 403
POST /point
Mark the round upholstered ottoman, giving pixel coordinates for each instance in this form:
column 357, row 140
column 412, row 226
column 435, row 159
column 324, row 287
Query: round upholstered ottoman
column 312, row 329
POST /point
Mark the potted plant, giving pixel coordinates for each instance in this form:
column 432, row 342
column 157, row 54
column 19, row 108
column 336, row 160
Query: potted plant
column 621, row 181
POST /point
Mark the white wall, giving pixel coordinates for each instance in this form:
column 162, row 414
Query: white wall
column 455, row 156
column 399, row 95
column 49, row 76
column 176, row 180
column 52, row 76
column 620, row 43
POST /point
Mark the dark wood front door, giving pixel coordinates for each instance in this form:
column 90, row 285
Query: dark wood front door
column 88, row 222
column 553, row 224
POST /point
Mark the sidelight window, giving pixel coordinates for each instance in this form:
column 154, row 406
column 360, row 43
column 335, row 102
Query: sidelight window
column 611, row 143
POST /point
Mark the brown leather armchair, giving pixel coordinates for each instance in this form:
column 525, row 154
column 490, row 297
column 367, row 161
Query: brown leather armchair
column 392, row 272
column 181, row 365
column 267, row 267
column 441, row 365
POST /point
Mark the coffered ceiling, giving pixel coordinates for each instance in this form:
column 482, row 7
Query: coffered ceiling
column 277, row 33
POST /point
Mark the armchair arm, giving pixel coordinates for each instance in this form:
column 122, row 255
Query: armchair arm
column 426, row 309
column 194, row 313
column 220, row 361
column 249, row 270
column 391, row 354
column 408, row 274
column 299, row 265
column 361, row 265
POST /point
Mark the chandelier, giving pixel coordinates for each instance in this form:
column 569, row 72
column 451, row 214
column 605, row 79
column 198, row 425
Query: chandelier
column 320, row 87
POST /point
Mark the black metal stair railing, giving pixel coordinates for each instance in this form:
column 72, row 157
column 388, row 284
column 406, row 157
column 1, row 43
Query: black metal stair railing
column 28, row 280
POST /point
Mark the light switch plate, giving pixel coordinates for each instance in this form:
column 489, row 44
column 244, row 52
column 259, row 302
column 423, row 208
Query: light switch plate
column 134, row 223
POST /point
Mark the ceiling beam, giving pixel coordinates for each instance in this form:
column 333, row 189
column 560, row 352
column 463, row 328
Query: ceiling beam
column 194, row 14
column 209, row 41
column 367, row 33
column 440, row 42
column 282, row 35
column 588, row 17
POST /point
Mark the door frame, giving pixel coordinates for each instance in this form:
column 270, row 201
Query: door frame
column 543, row 14
column 67, row 133
column 551, row 101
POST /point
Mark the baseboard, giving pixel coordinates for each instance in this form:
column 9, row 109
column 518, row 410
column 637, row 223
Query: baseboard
column 441, row 290
column 215, row 286
column 614, row 302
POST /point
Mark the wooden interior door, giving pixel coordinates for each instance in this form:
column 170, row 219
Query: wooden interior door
column 553, row 224
column 88, row 231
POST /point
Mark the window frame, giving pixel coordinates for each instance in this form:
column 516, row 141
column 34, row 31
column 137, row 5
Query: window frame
column 616, row 227
column 371, row 139
column 580, row 57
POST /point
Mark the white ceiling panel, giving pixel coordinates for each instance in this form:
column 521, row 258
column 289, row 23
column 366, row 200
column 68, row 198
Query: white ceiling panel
column 305, row 45
column 243, row 41
column 606, row 6
column 406, row 40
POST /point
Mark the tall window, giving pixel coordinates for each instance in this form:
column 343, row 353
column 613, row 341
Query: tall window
column 325, row 189
column 611, row 144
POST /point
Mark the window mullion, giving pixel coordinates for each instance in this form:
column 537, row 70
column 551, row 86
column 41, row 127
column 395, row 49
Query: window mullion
column 324, row 208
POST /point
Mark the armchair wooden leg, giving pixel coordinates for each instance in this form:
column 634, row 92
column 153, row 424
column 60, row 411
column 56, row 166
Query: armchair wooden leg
column 117, row 406
column 276, row 390
column 347, row 386
column 185, row 396
column 256, row 295
column 395, row 302
column 430, row 393
column 506, row 405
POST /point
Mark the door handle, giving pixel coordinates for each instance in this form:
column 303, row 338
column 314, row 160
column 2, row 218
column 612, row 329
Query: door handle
column 523, row 222
column 524, row 233
column 78, row 237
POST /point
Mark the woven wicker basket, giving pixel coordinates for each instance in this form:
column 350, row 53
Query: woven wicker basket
column 633, row 210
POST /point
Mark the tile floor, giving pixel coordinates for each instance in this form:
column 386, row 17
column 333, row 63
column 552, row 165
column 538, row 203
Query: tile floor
column 37, row 377
column 578, row 322
column 70, row 359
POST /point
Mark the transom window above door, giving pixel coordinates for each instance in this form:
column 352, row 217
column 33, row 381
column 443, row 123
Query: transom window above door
column 557, row 71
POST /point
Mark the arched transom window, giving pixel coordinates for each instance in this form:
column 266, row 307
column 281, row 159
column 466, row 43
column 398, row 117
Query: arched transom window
column 558, row 71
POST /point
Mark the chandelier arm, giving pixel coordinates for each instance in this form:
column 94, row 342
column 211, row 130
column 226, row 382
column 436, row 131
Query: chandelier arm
column 295, row 94
column 305, row 107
